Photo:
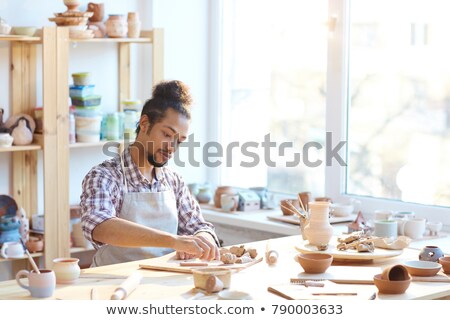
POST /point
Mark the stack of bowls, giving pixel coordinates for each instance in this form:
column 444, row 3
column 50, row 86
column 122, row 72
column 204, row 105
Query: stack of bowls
column 76, row 21
column 88, row 116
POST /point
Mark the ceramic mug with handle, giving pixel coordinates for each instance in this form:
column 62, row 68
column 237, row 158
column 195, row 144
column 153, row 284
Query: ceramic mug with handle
column 413, row 228
column 12, row 250
column 229, row 202
column 40, row 285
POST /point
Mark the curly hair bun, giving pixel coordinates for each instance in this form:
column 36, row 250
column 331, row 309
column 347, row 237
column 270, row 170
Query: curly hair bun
column 173, row 91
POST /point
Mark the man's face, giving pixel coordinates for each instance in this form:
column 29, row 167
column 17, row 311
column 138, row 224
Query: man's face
column 162, row 140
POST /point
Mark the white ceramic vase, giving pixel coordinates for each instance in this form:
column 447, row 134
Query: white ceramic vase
column 319, row 231
column 66, row 270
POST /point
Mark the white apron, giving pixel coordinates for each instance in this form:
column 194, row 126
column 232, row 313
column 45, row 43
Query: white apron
column 156, row 210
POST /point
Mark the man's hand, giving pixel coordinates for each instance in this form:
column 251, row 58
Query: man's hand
column 203, row 241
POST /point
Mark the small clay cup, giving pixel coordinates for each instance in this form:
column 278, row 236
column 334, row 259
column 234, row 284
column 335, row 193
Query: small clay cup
column 395, row 273
column 445, row 261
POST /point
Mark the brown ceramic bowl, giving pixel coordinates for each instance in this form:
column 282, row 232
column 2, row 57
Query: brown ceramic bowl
column 395, row 273
column 314, row 262
column 286, row 208
column 445, row 261
column 422, row 268
column 391, row 287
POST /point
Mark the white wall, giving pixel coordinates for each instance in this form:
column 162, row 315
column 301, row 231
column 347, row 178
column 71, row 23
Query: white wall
column 185, row 25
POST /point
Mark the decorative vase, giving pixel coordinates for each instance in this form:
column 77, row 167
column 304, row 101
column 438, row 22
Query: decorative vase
column 116, row 26
column 431, row 253
column 134, row 25
column 219, row 192
column 204, row 195
column 72, row 5
column 319, row 231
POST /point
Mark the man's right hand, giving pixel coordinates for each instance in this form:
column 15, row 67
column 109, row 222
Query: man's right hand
column 195, row 247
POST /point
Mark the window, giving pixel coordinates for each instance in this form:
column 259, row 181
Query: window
column 399, row 101
column 274, row 77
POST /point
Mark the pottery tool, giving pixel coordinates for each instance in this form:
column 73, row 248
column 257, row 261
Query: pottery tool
column 301, row 202
column 334, row 294
column 307, row 283
column 213, row 284
column 127, row 287
column 193, row 264
column 271, row 255
column 30, row 258
column 94, row 295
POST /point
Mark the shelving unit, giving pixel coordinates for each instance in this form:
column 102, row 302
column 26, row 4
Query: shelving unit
column 53, row 142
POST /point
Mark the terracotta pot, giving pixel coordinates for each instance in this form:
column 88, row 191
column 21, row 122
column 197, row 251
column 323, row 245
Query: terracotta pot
column 99, row 11
column 116, row 26
column 35, row 245
column 219, row 192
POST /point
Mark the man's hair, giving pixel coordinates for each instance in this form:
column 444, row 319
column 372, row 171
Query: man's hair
column 167, row 94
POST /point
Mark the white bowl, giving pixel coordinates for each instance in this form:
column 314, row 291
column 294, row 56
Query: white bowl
column 422, row 268
column 341, row 209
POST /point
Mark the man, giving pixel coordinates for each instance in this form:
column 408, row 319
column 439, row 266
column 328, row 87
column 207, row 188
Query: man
column 133, row 206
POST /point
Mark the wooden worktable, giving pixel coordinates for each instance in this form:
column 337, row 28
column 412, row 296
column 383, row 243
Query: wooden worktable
column 254, row 280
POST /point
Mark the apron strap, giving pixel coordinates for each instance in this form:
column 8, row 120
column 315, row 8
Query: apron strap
column 124, row 176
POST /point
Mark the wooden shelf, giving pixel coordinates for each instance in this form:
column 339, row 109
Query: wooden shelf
column 95, row 144
column 21, row 148
column 14, row 38
column 80, row 249
column 34, row 255
column 115, row 40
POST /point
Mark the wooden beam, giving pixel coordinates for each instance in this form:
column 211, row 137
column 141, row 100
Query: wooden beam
column 124, row 73
column 158, row 56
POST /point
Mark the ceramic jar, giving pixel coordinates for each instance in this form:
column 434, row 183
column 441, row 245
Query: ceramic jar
column 35, row 245
column 6, row 140
column 431, row 253
column 66, row 270
column 219, row 192
column 134, row 25
column 99, row 11
column 319, row 231
column 116, row 26
column 204, row 195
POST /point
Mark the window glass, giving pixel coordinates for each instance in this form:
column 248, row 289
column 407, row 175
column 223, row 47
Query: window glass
column 399, row 101
column 274, row 76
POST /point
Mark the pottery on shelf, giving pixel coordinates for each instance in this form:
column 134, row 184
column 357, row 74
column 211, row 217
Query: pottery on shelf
column 204, row 195
column 222, row 190
column 99, row 11
column 319, row 231
column 35, row 245
column 116, row 26
column 134, row 25
column 22, row 133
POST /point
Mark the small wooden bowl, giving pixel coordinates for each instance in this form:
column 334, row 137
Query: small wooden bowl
column 314, row 262
column 422, row 268
column 391, row 287
column 445, row 262
column 201, row 275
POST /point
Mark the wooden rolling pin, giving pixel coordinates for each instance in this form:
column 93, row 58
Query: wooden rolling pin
column 127, row 287
column 271, row 255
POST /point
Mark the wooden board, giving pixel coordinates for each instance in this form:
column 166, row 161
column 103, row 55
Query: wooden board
column 378, row 253
column 439, row 277
column 296, row 220
column 169, row 263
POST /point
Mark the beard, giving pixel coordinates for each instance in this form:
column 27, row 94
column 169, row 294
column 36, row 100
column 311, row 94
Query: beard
column 152, row 161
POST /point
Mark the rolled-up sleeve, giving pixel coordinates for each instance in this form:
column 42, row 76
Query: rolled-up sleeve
column 97, row 201
column 190, row 218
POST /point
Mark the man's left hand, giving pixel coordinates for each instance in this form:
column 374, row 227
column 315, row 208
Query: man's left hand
column 213, row 252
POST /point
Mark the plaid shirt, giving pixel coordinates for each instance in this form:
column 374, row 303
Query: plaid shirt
column 103, row 192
